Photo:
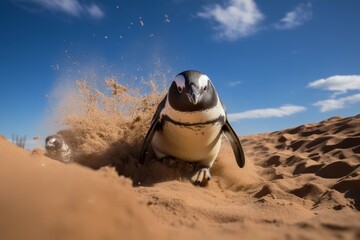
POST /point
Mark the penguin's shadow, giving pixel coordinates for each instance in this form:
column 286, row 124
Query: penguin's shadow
column 124, row 158
column 153, row 170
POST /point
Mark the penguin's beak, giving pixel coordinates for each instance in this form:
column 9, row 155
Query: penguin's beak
column 194, row 94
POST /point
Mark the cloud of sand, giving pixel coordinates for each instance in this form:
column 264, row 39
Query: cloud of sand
column 101, row 118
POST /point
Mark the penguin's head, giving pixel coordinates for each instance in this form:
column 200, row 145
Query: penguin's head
column 53, row 143
column 192, row 91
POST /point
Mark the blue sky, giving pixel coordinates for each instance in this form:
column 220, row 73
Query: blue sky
column 275, row 63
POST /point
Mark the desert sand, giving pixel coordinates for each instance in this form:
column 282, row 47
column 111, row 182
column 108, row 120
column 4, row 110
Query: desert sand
column 298, row 183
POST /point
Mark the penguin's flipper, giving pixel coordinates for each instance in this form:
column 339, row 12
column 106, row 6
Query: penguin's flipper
column 235, row 144
column 155, row 124
column 147, row 141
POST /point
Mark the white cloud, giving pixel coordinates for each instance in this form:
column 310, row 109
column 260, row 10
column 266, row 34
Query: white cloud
column 282, row 111
column 237, row 19
column 95, row 11
column 339, row 103
column 295, row 18
column 234, row 83
column 70, row 7
column 338, row 83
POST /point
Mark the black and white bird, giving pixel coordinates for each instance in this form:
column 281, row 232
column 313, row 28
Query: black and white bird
column 188, row 125
column 56, row 148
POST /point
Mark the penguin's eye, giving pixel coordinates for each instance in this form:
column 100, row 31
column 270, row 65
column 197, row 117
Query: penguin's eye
column 204, row 82
column 180, row 83
column 57, row 144
column 180, row 89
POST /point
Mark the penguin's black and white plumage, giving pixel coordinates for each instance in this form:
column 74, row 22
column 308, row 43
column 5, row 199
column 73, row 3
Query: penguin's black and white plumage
column 56, row 148
column 188, row 124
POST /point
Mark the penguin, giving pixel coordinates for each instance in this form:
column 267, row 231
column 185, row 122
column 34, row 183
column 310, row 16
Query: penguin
column 188, row 125
column 57, row 148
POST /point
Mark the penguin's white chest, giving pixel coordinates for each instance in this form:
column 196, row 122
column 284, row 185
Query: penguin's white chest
column 193, row 137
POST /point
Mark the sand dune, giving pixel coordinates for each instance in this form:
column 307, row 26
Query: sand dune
column 299, row 183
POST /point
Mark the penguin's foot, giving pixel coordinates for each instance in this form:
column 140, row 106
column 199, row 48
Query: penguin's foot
column 169, row 161
column 201, row 177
